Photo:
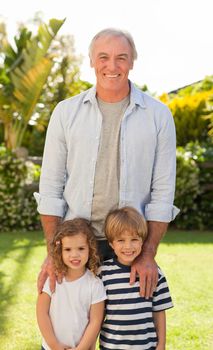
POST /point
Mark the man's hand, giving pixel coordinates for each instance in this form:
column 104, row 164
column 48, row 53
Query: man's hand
column 47, row 269
column 146, row 267
column 49, row 224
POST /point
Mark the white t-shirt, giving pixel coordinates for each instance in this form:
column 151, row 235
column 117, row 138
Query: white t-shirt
column 70, row 306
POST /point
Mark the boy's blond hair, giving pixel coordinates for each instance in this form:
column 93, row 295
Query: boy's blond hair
column 125, row 219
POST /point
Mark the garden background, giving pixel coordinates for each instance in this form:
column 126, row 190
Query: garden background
column 41, row 70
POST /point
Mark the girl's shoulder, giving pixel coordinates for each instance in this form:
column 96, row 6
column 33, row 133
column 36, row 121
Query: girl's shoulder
column 96, row 287
column 91, row 278
column 46, row 287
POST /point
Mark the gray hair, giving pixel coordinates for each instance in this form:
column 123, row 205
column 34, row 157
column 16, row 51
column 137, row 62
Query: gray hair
column 114, row 32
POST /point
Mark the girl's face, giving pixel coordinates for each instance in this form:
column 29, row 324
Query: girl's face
column 127, row 247
column 75, row 251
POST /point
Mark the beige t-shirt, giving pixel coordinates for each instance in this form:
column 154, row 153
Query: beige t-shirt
column 107, row 172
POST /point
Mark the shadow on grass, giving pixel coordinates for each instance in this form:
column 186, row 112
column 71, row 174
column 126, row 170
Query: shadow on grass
column 19, row 245
column 188, row 237
column 14, row 246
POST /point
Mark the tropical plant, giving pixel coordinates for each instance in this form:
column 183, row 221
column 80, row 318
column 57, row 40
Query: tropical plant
column 62, row 82
column 23, row 73
column 192, row 108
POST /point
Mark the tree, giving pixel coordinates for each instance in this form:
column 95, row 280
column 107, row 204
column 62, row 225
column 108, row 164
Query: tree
column 63, row 80
column 23, row 73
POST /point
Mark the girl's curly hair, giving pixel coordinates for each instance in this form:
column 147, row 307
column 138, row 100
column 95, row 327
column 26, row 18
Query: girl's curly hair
column 71, row 228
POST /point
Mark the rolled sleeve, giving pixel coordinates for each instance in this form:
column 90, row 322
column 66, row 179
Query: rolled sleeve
column 50, row 206
column 161, row 212
column 50, row 198
column 161, row 206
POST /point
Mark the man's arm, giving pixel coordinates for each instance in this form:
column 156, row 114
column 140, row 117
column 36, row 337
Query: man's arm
column 156, row 231
column 49, row 224
column 145, row 265
column 160, row 210
column 51, row 204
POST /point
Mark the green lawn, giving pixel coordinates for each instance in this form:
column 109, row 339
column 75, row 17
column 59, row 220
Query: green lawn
column 185, row 257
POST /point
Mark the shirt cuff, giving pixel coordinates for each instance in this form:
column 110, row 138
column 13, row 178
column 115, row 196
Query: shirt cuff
column 50, row 206
column 161, row 212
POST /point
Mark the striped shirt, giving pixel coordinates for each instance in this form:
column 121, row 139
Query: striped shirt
column 129, row 317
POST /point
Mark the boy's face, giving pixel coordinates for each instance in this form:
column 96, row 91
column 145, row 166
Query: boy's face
column 127, row 247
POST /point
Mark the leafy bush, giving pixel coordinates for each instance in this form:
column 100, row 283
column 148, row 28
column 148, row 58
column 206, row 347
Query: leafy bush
column 192, row 108
column 194, row 195
column 193, row 186
column 187, row 189
column 203, row 155
column 18, row 208
column 190, row 115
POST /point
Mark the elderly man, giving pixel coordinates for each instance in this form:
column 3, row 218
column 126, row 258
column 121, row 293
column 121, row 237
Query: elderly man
column 108, row 147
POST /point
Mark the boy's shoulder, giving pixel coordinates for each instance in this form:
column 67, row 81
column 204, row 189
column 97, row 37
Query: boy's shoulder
column 108, row 262
column 111, row 263
column 113, row 267
column 160, row 273
column 107, row 265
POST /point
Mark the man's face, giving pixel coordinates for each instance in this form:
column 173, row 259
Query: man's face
column 112, row 59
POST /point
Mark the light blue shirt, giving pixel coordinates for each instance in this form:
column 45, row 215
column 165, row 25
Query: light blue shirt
column 147, row 158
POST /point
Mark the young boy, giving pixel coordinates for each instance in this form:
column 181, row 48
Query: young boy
column 131, row 322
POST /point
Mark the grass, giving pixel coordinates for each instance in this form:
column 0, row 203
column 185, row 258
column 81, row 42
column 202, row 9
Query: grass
column 187, row 260
column 185, row 257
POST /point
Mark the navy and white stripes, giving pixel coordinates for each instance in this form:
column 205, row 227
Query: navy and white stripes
column 129, row 318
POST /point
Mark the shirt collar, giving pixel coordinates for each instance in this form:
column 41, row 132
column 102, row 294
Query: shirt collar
column 136, row 96
column 90, row 95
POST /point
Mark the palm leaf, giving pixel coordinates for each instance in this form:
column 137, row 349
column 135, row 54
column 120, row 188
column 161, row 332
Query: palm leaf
column 29, row 77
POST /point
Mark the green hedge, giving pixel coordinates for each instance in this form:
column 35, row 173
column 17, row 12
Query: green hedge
column 194, row 195
column 18, row 207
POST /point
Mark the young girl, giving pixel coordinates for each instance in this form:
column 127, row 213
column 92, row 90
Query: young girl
column 71, row 317
column 132, row 322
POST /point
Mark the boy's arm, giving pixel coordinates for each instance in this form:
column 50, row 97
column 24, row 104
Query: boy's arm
column 44, row 322
column 91, row 332
column 160, row 325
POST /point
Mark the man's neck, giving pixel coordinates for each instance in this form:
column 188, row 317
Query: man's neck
column 112, row 96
